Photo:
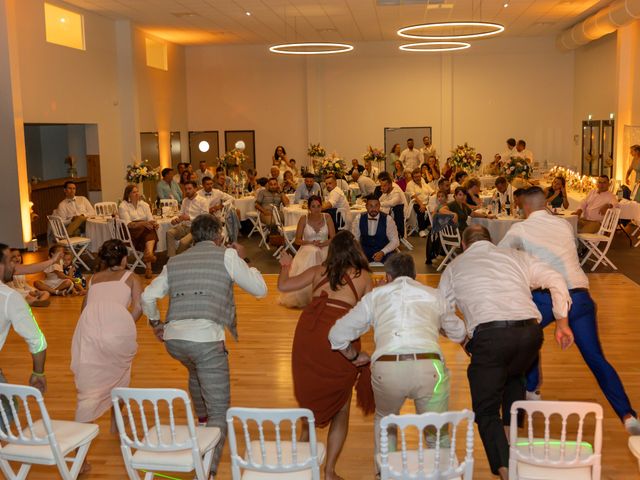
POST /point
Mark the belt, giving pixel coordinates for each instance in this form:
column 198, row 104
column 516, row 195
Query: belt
column 571, row 290
column 505, row 324
column 408, row 356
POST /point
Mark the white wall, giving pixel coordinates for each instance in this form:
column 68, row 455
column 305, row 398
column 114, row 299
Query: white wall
column 499, row 88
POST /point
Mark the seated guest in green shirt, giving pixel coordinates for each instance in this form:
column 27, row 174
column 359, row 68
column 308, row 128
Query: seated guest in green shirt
column 461, row 209
column 167, row 188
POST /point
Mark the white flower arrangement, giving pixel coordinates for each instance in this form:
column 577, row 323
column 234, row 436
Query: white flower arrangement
column 141, row 172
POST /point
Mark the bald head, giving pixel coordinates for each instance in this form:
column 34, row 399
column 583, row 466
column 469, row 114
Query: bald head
column 473, row 234
column 533, row 200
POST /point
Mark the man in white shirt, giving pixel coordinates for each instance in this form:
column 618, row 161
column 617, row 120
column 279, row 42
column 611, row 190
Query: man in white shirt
column 504, row 194
column 192, row 206
column 592, row 209
column 522, row 152
column 406, row 317
column 428, row 150
column 510, row 151
column 370, row 171
column 393, row 200
column 14, row 312
column 410, row 157
column 307, row 188
column 74, row 210
column 366, row 185
column 200, row 286
column 551, row 239
column 420, row 192
column 275, row 173
column 216, row 199
column 203, row 172
column 335, row 201
column 492, row 287
column 375, row 231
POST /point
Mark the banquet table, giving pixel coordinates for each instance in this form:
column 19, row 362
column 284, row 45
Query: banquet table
column 292, row 213
column 498, row 227
column 245, row 205
column 97, row 229
column 629, row 210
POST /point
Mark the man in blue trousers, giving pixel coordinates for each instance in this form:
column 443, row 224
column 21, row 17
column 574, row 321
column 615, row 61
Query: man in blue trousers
column 552, row 240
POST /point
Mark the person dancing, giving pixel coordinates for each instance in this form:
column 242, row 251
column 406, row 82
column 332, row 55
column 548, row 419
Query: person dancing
column 323, row 380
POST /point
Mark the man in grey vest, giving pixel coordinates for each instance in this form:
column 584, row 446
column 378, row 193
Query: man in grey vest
column 199, row 283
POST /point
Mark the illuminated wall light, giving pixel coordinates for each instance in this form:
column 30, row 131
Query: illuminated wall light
column 156, row 54
column 611, row 116
column 203, row 146
column 248, row 14
column 505, row 5
column 590, row 116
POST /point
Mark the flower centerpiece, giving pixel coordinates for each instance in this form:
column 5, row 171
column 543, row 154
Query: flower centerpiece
column 316, row 151
column 464, row 157
column 374, row 155
column 233, row 158
column 516, row 167
column 332, row 165
column 141, row 172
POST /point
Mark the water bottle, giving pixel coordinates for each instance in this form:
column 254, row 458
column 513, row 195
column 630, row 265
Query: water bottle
column 507, row 207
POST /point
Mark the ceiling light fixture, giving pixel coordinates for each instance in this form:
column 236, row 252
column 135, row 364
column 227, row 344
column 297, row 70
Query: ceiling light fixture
column 506, row 5
column 248, row 14
column 434, row 46
column 493, row 29
column 311, row 48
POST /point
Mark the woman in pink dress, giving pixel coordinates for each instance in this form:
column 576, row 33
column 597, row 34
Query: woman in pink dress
column 104, row 342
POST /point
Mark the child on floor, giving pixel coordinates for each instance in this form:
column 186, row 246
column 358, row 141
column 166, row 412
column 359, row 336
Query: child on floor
column 73, row 271
column 55, row 281
column 33, row 296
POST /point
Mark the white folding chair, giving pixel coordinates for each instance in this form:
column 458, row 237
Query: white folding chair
column 436, row 463
column 568, row 457
column 106, row 209
column 120, row 230
column 42, row 441
column 410, row 228
column 278, row 458
column 258, row 226
column 341, row 217
column 77, row 245
column 161, row 447
column 288, row 232
column 605, row 236
column 634, row 446
column 450, row 240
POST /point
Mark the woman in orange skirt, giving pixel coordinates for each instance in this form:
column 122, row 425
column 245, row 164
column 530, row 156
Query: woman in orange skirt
column 323, row 379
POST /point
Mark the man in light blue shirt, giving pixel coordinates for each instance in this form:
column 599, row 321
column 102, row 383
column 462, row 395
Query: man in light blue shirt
column 307, row 188
column 167, row 188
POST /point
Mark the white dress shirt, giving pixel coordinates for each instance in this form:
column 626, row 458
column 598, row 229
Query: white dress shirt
column 216, row 197
column 422, row 191
column 505, row 157
column 489, row 283
column 337, row 199
column 373, row 174
column 193, row 208
column 141, row 212
column 428, row 152
column 372, row 227
column 200, row 329
column 406, row 317
column 502, row 197
column 551, row 239
column 201, row 175
column 74, row 207
column 411, row 159
column 14, row 311
column 366, row 185
column 395, row 197
column 591, row 205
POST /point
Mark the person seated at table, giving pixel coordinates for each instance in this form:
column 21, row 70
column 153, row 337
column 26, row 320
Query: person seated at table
column 274, row 172
column 167, row 188
column 556, row 194
column 192, row 206
column 178, row 175
column 592, row 209
column 444, row 186
column 222, row 181
column 216, row 199
column 461, row 209
column 55, row 281
column 268, row 197
column 503, row 194
column 355, row 166
column 458, row 179
column 203, row 171
column 252, row 181
column 74, row 209
column 313, row 234
column 407, row 177
column 420, row 193
column 136, row 213
column 518, row 198
column 293, row 168
column 366, row 185
column 431, row 169
column 370, row 171
column 307, row 188
column 262, row 184
column 33, row 296
column 288, row 185
column 185, row 177
column 375, row 231
column 398, row 171
column 472, row 185
column 335, row 200
column 494, row 167
column 393, row 199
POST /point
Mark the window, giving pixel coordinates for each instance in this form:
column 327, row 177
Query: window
column 156, row 54
column 64, row 27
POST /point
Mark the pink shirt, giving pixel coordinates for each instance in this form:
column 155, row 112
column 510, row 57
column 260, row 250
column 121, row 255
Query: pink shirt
column 591, row 205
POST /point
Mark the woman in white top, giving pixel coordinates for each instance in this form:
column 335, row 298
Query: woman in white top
column 137, row 215
column 312, row 235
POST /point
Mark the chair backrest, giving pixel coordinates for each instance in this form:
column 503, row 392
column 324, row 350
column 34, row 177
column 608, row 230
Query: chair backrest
column 408, row 210
column 12, row 396
column 276, row 217
column 164, row 437
column 445, row 465
column 610, row 222
column 106, row 209
column 634, row 192
column 287, row 457
column 341, row 215
column 566, row 451
column 121, row 231
column 57, row 227
column 450, row 235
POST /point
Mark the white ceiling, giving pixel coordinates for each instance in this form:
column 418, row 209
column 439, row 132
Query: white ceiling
column 190, row 22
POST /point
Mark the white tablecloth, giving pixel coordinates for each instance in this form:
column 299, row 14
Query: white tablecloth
column 487, row 181
column 629, row 210
column 245, row 205
column 498, row 227
column 97, row 230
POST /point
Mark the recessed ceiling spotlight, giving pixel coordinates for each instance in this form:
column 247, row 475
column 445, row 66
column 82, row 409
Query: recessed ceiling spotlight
column 248, row 14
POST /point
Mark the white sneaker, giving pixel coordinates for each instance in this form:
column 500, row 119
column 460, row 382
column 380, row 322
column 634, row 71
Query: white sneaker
column 422, row 233
column 534, row 395
column 632, row 425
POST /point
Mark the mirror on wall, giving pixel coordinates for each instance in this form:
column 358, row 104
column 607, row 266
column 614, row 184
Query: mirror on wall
column 204, row 146
column 590, row 147
column 149, row 148
column 606, row 149
column 176, row 149
column 231, row 137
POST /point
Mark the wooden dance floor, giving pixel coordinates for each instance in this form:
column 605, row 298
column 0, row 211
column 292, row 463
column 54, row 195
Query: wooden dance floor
column 261, row 375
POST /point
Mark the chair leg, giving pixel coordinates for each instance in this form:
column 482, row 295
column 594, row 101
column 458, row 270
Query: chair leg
column 8, row 472
column 406, row 243
column 76, row 464
column 78, row 253
column 207, row 459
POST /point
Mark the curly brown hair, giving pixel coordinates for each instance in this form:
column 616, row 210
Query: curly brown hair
column 344, row 254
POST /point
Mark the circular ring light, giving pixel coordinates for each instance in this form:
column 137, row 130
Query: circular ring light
column 434, row 46
column 311, row 48
column 493, row 29
column 203, row 146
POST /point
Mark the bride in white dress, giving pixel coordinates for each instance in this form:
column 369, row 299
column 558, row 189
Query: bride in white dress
column 312, row 235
